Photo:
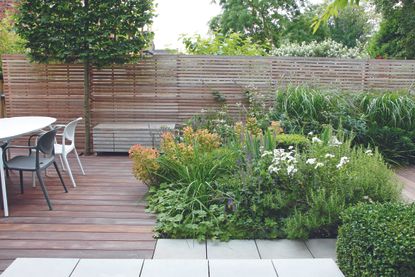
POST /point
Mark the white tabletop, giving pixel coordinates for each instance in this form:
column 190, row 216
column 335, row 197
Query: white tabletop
column 17, row 126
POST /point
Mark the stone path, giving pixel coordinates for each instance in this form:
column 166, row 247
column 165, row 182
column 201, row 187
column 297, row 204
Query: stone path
column 34, row 267
column 245, row 249
column 189, row 258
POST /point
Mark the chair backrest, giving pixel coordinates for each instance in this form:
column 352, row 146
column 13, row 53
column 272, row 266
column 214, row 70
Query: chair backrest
column 69, row 131
column 45, row 143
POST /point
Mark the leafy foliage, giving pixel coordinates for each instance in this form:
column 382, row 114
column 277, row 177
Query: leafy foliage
column 102, row 32
column 383, row 120
column 377, row 240
column 233, row 44
column 332, row 10
column 396, row 36
column 144, row 163
column 10, row 42
column 351, row 27
column 251, row 188
column 261, row 20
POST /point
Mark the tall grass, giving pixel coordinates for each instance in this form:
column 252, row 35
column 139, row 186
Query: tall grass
column 388, row 109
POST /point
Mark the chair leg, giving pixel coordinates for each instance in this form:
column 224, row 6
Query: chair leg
column 79, row 161
column 63, row 166
column 65, row 159
column 33, row 179
column 21, row 181
column 42, row 185
column 60, row 176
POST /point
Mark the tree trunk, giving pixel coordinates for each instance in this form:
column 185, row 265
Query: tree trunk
column 87, row 107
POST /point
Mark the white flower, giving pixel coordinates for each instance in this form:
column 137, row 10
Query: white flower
column 318, row 165
column 343, row 161
column 329, row 156
column 316, row 140
column 290, row 147
column 311, row 161
column 291, row 169
column 273, row 169
column 334, row 141
column 310, row 133
column 369, row 152
column 266, row 153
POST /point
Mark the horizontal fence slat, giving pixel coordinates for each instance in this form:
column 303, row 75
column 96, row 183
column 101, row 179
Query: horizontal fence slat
column 171, row 88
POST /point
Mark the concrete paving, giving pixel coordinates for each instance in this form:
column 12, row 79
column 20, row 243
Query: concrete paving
column 190, row 258
column 245, row 249
column 23, row 267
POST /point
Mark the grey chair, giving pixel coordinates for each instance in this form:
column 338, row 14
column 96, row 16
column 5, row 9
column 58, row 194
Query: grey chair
column 40, row 157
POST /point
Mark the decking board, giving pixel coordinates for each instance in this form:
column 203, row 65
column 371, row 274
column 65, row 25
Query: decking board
column 103, row 217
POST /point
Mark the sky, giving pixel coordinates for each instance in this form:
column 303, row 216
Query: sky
column 177, row 17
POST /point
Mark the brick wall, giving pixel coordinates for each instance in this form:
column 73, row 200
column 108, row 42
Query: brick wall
column 6, row 5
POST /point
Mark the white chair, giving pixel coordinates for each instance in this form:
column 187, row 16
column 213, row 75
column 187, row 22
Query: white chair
column 63, row 149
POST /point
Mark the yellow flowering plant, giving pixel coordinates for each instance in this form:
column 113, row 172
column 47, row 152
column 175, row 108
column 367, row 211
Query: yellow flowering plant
column 145, row 163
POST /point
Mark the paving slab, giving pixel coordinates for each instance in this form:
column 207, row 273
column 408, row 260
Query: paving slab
column 307, row 268
column 283, row 249
column 241, row 268
column 175, row 268
column 108, row 268
column 233, row 249
column 38, row 267
column 322, row 248
column 179, row 249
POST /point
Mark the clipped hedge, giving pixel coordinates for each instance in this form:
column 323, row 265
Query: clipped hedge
column 287, row 140
column 377, row 240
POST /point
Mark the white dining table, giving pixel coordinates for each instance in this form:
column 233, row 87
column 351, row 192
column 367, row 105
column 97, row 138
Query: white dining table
column 14, row 127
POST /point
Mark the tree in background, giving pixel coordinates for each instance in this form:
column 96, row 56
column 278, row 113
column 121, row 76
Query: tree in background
column 10, row 42
column 260, row 20
column 351, row 27
column 230, row 45
column 396, row 37
column 298, row 29
column 96, row 33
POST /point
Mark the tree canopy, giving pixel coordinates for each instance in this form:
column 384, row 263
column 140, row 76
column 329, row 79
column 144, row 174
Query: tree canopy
column 98, row 32
column 396, row 37
column 101, row 31
column 261, row 20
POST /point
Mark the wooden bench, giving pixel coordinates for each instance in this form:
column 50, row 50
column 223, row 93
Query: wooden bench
column 119, row 137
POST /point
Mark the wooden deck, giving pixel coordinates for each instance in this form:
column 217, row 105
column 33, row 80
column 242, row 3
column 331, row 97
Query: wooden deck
column 103, row 217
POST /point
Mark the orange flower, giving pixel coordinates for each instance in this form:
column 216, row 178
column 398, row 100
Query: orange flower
column 276, row 127
column 144, row 163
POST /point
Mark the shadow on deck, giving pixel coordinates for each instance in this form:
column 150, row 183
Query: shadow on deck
column 103, row 217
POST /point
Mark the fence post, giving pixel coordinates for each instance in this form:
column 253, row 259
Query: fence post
column 2, row 100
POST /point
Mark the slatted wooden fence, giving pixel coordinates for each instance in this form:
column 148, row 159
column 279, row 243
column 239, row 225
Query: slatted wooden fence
column 171, row 88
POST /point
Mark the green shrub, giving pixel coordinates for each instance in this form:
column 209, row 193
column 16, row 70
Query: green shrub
column 296, row 140
column 10, row 42
column 396, row 145
column 377, row 240
column 335, row 177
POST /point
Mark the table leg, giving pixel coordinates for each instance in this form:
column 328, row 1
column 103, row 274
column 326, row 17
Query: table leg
column 3, row 184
